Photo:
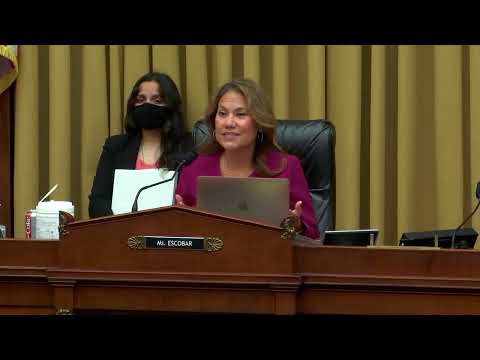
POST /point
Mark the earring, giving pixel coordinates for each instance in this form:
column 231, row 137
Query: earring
column 214, row 138
column 260, row 136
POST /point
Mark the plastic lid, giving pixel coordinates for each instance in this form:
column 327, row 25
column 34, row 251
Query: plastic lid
column 53, row 205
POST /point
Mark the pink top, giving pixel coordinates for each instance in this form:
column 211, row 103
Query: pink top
column 209, row 165
column 140, row 165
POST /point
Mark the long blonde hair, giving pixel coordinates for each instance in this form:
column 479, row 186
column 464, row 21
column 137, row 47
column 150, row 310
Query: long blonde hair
column 260, row 110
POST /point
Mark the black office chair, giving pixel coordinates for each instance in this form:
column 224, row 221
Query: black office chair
column 313, row 142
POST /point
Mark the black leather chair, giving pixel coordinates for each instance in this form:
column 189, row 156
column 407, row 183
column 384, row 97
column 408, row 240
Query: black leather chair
column 313, row 142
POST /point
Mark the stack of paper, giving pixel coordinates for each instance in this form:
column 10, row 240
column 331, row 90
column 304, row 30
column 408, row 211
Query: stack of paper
column 128, row 182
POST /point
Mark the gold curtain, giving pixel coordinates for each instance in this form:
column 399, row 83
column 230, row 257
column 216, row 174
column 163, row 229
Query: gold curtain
column 408, row 125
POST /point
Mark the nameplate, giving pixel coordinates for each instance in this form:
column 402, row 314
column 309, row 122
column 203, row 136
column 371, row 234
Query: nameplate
column 143, row 242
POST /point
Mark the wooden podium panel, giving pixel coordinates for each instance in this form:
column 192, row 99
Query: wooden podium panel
column 24, row 287
column 92, row 269
column 395, row 280
column 248, row 246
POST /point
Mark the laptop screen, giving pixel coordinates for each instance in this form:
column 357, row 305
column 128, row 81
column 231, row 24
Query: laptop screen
column 263, row 200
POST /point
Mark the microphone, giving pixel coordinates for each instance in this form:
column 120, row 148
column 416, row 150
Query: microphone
column 477, row 194
column 181, row 160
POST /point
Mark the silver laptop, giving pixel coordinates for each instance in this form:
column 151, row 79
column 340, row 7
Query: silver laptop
column 263, row 200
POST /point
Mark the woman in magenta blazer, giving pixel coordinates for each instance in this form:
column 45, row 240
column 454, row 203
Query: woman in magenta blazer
column 243, row 144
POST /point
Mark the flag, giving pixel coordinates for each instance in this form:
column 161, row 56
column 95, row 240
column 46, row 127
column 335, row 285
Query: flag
column 8, row 66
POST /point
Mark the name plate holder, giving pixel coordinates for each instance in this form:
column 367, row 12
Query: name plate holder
column 150, row 242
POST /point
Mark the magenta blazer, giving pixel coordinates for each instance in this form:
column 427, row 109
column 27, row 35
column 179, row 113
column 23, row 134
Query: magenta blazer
column 209, row 165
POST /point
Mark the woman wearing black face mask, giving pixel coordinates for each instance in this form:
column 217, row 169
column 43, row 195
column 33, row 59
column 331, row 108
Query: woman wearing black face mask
column 154, row 134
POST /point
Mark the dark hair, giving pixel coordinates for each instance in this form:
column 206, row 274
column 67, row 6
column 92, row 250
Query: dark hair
column 173, row 130
column 259, row 108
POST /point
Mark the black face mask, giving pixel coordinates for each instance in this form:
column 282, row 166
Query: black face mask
column 149, row 116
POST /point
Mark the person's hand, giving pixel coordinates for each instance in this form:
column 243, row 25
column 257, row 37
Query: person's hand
column 295, row 215
column 179, row 200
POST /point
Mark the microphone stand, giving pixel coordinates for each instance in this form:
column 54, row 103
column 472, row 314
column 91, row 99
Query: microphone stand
column 135, row 203
column 458, row 228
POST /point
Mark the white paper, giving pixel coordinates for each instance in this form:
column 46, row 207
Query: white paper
column 127, row 183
